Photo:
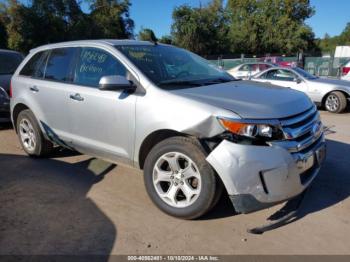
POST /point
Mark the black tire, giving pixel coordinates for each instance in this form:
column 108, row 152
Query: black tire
column 43, row 146
column 192, row 149
column 341, row 100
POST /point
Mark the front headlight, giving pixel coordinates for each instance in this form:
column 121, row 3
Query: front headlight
column 252, row 130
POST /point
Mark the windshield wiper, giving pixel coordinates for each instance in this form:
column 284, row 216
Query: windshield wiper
column 179, row 83
column 222, row 80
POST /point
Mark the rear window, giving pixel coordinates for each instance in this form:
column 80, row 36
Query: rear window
column 35, row 66
column 60, row 63
column 9, row 63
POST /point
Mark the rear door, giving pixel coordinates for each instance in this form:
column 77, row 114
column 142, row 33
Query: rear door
column 44, row 83
column 53, row 92
column 102, row 122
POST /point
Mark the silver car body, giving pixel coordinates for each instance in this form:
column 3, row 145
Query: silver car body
column 316, row 88
column 118, row 127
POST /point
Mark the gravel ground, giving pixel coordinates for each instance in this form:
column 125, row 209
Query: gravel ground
column 75, row 204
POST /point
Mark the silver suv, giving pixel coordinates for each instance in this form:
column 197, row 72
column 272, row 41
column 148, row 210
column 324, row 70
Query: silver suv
column 194, row 130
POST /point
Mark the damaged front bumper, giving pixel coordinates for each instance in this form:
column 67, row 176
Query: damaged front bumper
column 257, row 177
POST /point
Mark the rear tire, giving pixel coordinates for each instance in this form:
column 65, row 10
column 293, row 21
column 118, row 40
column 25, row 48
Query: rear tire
column 178, row 178
column 335, row 102
column 30, row 136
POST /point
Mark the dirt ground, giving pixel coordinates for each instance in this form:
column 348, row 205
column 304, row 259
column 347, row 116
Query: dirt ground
column 74, row 204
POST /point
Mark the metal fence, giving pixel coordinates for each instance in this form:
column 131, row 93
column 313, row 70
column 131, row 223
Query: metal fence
column 320, row 66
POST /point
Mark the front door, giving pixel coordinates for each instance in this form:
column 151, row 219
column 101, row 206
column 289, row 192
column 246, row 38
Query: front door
column 102, row 122
column 284, row 78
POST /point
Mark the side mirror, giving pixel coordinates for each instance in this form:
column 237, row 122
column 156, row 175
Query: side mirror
column 297, row 80
column 115, row 83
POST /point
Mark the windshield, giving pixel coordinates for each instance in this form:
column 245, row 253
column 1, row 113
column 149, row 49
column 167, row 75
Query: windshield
column 9, row 63
column 304, row 74
column 171, row 67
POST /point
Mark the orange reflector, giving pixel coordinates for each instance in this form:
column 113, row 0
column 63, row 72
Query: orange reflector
column 234, row 127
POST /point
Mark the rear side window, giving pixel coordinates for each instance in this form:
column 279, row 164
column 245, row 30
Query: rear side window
column 95, row 63
column 35, row 66
column 60, row 63
column 245, row 67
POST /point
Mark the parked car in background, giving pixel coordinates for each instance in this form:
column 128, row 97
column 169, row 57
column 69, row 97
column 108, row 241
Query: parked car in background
column 331, row 93
column 191, row 127
column 345, row 71
column 247, row 70
column 277, row 60
column 9, row 61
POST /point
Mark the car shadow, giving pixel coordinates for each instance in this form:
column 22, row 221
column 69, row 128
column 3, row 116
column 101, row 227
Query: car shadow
column 332, row 185
column 329, row 188
column 45, row 210
column 6, row 126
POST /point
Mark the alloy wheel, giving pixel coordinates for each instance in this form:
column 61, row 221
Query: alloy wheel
column 176, row 179
column 27, row 135
column 332, row 103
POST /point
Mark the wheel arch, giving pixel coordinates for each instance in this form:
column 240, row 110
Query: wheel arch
column 347, row 95
column 153, row 139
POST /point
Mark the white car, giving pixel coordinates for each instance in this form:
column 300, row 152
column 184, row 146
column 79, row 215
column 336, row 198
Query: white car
column 247, row 70
column 346, row 72
column 333, row 94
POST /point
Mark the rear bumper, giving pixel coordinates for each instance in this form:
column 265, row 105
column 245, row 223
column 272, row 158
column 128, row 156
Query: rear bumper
column 258, row 177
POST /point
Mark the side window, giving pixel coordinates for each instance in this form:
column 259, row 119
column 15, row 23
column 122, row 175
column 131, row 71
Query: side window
column 60, row 63
column 285, row 75
column 95, row 63
column 263, row 76
column 245, row 68
column 35, row 66
column 271, row 75
column 254, row 67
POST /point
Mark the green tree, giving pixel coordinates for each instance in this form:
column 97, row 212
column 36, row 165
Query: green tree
column 147, row 34
column 111, row 19
column 3, row 35
column 270, row 26
column 344, row 38
column 48, row 21
column 166, row 39
column 328, row 44
column 202, row 30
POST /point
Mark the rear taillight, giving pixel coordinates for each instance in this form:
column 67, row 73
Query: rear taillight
column 10, row 91
column 345, row 70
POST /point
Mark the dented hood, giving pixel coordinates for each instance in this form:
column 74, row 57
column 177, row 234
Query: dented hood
column 250, row 99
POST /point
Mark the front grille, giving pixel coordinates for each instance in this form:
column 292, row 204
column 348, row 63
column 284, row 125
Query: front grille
column 301, row 131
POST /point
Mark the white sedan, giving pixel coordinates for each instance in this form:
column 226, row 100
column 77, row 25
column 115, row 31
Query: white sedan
column 333, row 94
column 247, row 70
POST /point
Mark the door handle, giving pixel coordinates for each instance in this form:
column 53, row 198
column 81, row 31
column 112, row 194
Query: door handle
column 76, row 97
column 34, row 89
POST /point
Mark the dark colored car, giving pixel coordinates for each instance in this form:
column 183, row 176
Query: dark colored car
column 9, row 61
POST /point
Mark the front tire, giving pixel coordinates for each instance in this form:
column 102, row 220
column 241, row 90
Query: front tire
column 336, row 102
column 178, row 179
column 30, row 136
